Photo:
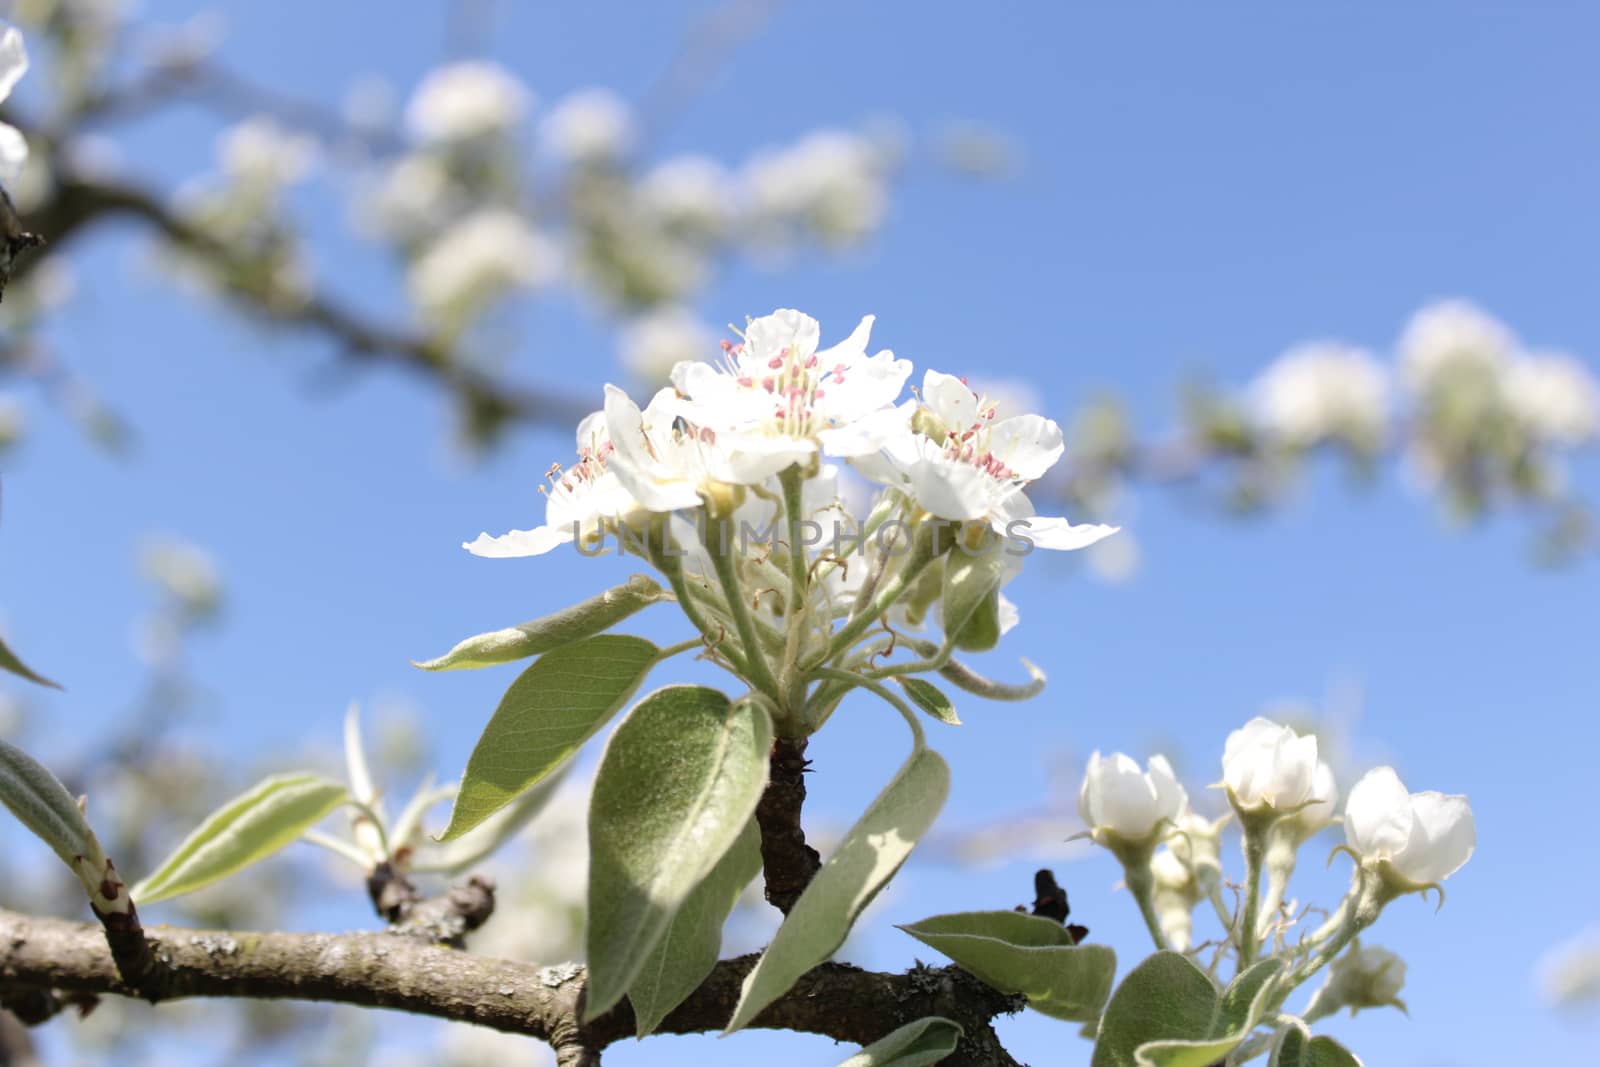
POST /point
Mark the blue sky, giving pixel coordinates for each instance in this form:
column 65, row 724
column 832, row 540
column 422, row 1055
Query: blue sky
column 1200, row 190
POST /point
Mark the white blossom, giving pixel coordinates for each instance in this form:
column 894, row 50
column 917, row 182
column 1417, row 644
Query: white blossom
column 1569, row 974
column 693, row 193
column 663, row 337
column 831, row 182
column 13, row 65
column 1322, row 390
column 1452, row 337
column 578, row 500
column 963, row 462
column 589, row 126
column 262, row 153
column 410, row 198
column 669, row 463
column 1268, row 765
column 777, row 394
column 1426, row 837
column 490, row 251
column 1556, row 398
column 1118, row 797
column 466, row 100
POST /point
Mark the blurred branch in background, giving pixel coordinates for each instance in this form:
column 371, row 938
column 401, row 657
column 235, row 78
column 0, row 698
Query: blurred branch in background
column 474, row 216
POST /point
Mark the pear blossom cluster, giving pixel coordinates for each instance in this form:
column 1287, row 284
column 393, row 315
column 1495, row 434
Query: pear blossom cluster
column 773, row 403
column 1454, row 362
column 641, row 237
column 1281, row 793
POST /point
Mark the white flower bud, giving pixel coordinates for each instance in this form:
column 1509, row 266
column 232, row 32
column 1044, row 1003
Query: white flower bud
column 1424, row 837
column 1117, row 797
column 1268, row 765
column 1196, row 842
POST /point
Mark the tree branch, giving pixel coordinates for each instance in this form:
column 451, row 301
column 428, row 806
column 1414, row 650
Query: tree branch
column 78, row 203
column 786, row 860
column 379, row 970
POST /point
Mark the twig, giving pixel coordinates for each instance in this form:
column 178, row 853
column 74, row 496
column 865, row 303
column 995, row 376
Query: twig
column 788, row 861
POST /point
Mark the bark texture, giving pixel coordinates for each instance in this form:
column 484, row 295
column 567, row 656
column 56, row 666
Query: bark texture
column 69, row 961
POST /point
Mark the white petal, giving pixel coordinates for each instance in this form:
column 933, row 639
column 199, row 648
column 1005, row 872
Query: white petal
column 13, row 60
column 1377, row 816
column 1028, row 444
column 1170, row 794
column 950, row 398
column 1056, row 534
column 1443, row 837
column 851, row 348
column 767, row 337
column 1089, row 792
column 535, row 542
column 1009, row 616
column 864, row 436
column 949, row 489
column 13, row 153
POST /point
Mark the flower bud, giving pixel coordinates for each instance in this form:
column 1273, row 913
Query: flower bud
column 1120, row 801
column 1414, row 840
column 1174, row 896
column 1364, row 977
column 1266, row 765
column 1196, row 842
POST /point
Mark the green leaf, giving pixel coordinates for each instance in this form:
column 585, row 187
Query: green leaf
column 1242, row 1006
column 457, row 856
column 10, row 662
column 692, row 944
column 42, row 804
column 1165, row 997
column 931, row 699
column 972, row 598
column 248, row 828
column 865, row 860
column 677, row 785
column 1019, row 953
column 915, row 1044
column 1295, row 1047
column 593, row 616
column 1244, row 1001
column 552, row 708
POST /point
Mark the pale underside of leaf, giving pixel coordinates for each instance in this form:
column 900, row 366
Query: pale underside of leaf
column 676, row 788
column 692, row 943
column 916, row 1044
column 248, row 828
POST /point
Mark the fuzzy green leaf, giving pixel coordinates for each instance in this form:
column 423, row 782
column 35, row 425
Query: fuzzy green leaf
column 971, row 602
column 593, row 616
column 1295, row 1047
column 692, row 944
column 865, row 860
column 42, row 804
column 931, row 699
column 915, row 1044
column 1241, row 1007
column 546, row 715
column 247, row 829
column 677, row 785
column 1166, row 997
column 1019, row 953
